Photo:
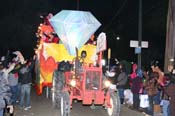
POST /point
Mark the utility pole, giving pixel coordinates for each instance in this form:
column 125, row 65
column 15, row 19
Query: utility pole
column 170, row 37
column 139, row 58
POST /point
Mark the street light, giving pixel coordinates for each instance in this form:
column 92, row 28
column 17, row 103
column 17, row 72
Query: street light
column 118, row 38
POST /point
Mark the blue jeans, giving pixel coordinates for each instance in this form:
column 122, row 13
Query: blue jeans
column 136, row 101
column 18, row 92
column 25, row 93
column 1, row 112
column 121, row 93
column 157, row 99
column 166, row 107
column 151, row 105
column 14, row 91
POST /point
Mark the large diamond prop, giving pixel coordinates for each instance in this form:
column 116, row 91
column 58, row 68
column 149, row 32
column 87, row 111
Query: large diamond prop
column 74, row 28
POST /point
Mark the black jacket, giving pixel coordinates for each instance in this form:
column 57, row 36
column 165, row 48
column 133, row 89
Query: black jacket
column 25, row 76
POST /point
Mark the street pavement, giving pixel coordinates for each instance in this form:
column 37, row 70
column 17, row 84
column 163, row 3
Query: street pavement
column 42, row 106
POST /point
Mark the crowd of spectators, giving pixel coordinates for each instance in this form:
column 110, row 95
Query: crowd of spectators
column 149, row 91
column 15, row 82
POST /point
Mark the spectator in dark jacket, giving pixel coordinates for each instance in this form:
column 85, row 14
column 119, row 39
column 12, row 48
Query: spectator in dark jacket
column 25, row 77
column 135, row 87
column 121, row 82
column 165, row 99
column 169, row 89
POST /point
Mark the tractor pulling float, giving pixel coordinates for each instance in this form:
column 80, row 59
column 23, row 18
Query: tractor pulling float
column 73, row 70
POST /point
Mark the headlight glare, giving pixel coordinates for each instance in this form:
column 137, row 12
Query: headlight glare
column 73, row 83
column 107, row 83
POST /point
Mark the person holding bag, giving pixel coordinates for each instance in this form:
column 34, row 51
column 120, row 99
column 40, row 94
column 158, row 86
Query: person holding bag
column 152, row 90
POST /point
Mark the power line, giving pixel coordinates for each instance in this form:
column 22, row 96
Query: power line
column 115, row 16
column 148, row 12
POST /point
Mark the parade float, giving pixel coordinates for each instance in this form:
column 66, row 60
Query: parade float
column 68, row 38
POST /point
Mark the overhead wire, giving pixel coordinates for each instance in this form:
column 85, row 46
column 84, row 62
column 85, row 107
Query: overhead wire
column 133, row 19
column 115, row 16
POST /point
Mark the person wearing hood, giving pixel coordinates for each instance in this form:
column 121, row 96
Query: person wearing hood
column 121, row 82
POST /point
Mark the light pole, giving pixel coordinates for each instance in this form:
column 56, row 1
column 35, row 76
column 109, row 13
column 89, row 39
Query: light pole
column 140, row 33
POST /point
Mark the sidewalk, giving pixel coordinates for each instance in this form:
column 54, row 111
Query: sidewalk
column 142, row 111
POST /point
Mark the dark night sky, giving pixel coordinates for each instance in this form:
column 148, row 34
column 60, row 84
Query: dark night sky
column 19, row 21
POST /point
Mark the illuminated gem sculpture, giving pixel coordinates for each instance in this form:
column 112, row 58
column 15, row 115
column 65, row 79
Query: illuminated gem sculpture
column 74, row 28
